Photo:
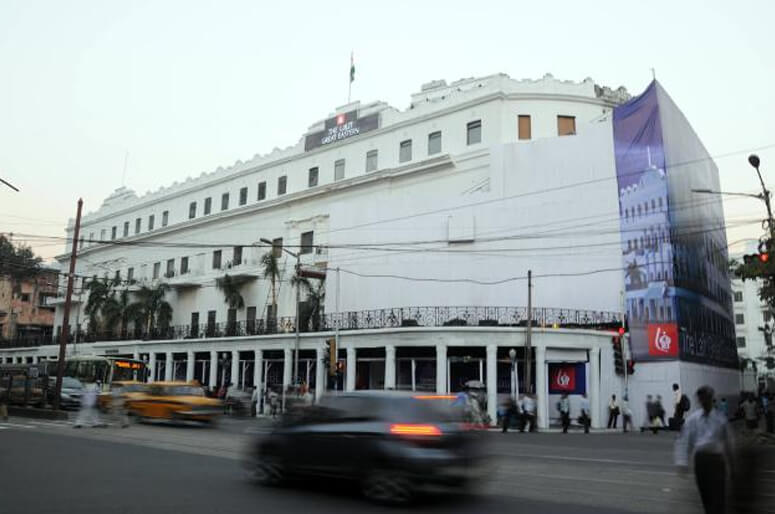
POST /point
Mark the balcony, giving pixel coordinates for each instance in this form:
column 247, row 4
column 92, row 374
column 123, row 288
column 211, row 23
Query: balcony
column 59, row 299
column 184, row 280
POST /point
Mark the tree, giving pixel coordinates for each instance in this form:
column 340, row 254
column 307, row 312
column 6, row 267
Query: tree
column 272, row 272
column 231, row 291
column 154, row 311
column 100, row 292
column 315, row 300
column 18, row 264
column 118, row 311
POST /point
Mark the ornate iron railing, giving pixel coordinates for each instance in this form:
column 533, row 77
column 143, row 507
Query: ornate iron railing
column 357, row 320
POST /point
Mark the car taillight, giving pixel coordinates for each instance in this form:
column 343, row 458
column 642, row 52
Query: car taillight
column 413, row 429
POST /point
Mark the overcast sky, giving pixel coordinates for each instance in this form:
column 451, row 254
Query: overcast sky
column 187, row 86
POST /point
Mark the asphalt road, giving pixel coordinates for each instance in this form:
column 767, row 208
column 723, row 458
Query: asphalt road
column 51, row 467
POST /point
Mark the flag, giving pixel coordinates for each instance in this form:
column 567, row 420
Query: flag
column 352, row 68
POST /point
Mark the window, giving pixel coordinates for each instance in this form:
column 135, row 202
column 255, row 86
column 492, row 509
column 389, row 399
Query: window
column 224, row 201
column 660, row 202
column 194, row 324
column 151, row 219
column 126, row 228
column 738, row 296
column 243, row 196
column 138, row 225
column 523, row 127
column 371, row 160
column 208, row 205
column 217, row 259
column 566, row 125
column 741, row 342
column 282, row 183
column 434, row 143
column 405, row 151
column 192, row 210
column 183, row 265
column 113, row 233
column 102, row 234
column 261, row 190
column 739, row 319
column 312, row 179
column 474, row 132
column 130, row 275
column 165, row 218
column 339, row 169
column 237, row 256
column 277, row 247
column 210, row 323
column 25, row 297
column 170, row 268
column 156, row 269
column 306, row 242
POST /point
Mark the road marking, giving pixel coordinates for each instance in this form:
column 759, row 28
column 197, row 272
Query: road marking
column 588, row 459
column 16, row 425
column 51, row 423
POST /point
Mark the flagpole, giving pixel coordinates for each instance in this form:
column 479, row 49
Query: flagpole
column 352, row 76
column 349, row 91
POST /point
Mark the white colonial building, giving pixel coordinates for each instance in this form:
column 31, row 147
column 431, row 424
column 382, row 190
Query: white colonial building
column 426, row 222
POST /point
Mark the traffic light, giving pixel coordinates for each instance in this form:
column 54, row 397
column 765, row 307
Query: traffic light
column 616, row 341
column 630, row 367
column 761, row 257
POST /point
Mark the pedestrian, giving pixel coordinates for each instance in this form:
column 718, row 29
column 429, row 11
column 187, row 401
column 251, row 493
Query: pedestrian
column 274, row 402
column 769, row 414
column 508, row 412
column 254, row 399
column 88, row 414
column 681, row 406
column 750, row 413
column 705, row 441
column 564, row 407
column 651, row 414
column 626, row 413
column 528, row 414
column 586, row 413
column 613, row 412
column 118, row 408
column 660, row 411
column 723, row 407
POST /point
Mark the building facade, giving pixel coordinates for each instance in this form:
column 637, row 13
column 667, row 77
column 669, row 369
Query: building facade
column 25, row 313
column 425, row 223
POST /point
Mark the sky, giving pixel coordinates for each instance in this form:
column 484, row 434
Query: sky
column 182, row 87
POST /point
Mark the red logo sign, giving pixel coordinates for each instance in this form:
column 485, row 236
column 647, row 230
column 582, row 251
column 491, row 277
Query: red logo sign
column 564, row 379
column 663, row 339
column 340, row 119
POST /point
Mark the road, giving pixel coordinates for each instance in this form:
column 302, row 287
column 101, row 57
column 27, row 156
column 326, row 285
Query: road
column 52, row 467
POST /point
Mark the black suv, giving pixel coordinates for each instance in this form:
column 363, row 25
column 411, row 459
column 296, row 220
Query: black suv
column 393, row 444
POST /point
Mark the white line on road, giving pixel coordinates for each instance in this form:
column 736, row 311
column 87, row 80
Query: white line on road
column 16, row 425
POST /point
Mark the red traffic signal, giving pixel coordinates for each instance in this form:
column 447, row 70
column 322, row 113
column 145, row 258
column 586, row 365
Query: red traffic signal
column 764, row 257
column 621, row 331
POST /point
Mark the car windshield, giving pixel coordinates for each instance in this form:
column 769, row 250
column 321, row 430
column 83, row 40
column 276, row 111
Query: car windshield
column 71, row 383
column 185, row 391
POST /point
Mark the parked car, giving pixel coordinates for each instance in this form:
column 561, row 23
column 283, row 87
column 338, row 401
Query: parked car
column 72, row 391
column 392, row 444
column 174, row 401
column 23, row 391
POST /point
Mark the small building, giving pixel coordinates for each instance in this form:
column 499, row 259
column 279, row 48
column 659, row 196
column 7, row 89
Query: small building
column 26, row 316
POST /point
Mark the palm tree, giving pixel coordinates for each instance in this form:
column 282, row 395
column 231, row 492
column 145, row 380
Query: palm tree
column 315, row 297
column 119, row 312
column 272, row 272
column 231, row 291
column 154, row 310
column 100, row 291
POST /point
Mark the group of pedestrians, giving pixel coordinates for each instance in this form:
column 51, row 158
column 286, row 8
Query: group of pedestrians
column 753, row 408
column 523, row 411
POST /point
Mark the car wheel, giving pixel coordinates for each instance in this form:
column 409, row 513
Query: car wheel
column 387, row 487
column 267, row 471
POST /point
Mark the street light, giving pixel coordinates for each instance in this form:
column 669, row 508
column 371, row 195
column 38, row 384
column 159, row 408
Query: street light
column 297, row 256
column 514, row 382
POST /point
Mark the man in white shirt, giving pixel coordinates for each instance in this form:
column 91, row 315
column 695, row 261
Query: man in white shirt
column 707, row 440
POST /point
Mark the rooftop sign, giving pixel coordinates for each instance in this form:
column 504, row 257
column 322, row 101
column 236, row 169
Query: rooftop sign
column 341, row 126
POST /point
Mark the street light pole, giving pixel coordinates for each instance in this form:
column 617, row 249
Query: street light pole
column 514, row 379
column 754, row 161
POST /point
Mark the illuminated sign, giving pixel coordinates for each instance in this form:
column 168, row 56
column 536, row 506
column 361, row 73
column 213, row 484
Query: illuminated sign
column 129, row 365
column 341, row 126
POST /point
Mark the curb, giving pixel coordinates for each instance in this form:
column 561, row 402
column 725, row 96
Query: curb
column 34, row 413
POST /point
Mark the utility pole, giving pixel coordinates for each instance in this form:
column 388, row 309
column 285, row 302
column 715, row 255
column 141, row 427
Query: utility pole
column 68, row 300
column 298, row 322
column 529, row 331
column 753, row 160
column 336, row 332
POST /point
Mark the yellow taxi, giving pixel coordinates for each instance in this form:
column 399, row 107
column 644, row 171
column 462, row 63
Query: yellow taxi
column 173, row 401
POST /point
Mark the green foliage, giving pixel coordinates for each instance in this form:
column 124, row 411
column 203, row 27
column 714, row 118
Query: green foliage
column 18, row 263
column 272, row 272
column 153, row 309
column 231, row 291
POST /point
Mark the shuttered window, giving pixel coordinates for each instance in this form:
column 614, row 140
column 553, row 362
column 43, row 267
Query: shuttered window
column 566, row 125
column 524, row 127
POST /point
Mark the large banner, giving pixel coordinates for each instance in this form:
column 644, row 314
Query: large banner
column 677, row 291
column 568, row 378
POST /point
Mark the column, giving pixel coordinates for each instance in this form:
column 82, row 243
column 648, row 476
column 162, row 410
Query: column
column 152, row 367
column 190, row 362
column 350, row 370
column 441, row 368
column 213, row 380
column 235, row 368
column 321, row 373
column 168, row 367
column 390, row 366
column 542, row 396
column 258, row 378
column 287, row 368
column 136, row 355
column 595, row 401
column 492, row 382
